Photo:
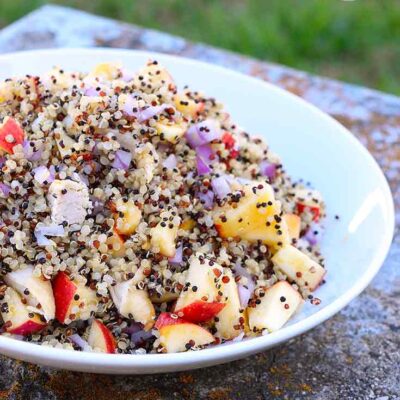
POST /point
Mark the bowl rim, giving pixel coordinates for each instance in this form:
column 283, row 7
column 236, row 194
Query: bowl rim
column 222, row 353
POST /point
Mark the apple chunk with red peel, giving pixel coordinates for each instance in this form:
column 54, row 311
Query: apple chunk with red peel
column 164, row 234
column 177, row 335
column 277, row 306
column 198, row 300
column 16, row 315
column 299, row 267
column 257, row 216
column 230, row 320
column 133, row 303
column 11, row 134
column 37, row 291
column 100, row 338
column 73, row 300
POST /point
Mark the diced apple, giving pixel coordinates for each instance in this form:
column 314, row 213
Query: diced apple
column 11, row 134
column 116, row 245
column 188, row 106
column 16, row 316
column 199, row 300
column 170, row 131
column 152, row 77
column 230, row 320
column 100, row 338
column 127, row 218
column 73, row 301
column 299, row 267
column 37, row 291
column 277, row 306
column 255, row 217
column 177, row 335
column 107, row 71
column 293, row 223
column 133, row 303
column 163, row 235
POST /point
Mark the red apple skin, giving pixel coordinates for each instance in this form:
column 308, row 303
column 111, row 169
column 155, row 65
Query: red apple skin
column 10, row 127
column 315, row 210
column 109, row 340
column 165, row 319
column 200, row 311
column 64, row 290
column 27, row 328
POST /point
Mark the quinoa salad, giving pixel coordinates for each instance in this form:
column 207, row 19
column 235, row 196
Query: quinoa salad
column 137, row 217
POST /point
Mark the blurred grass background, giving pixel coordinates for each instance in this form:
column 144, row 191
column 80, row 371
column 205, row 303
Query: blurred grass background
column 356, row 41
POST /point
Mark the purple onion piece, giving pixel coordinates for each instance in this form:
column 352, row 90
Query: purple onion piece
column 91, row 92
column 76, row 339
column 133, row 328
column 313, row 234
column 178, row 257
column 149, row 112
column 170, row 162
column 207, row 199
column 202, row 133
column 202, row 166
column 2, row 161
column 221, row 187
column 5, row 189
column 141, row 336
column 43, row 174
column 268, row 169
column 122, row 160
column 244, row 295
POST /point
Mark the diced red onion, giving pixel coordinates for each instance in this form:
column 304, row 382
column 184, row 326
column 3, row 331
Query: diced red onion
column 207, row 199
column 149, row 112
column 43, row 174
column 177, row 258
column 203, row 132
column 76, row 339
column 170, row 162
column 245, row 289
column 29, row 153
column 127, row 75
column 97, row 205
column 91, row 92
column 140, row 337
column 221, row 186
column 129, row 105
column 133, row 328
column 244, row 295
column 313, row 234
column 122, row 160
column 143, row 114
column 2, row 161
column 50, row 230
column 5, row 189
column 202, row 166
column 268, row 169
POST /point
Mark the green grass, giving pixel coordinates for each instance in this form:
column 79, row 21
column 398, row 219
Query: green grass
column 356, row 41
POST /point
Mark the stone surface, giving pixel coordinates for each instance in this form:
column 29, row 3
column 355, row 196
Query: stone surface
column 354, row 355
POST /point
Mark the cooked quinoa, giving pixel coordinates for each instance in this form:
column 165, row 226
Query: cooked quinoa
column 111, row 177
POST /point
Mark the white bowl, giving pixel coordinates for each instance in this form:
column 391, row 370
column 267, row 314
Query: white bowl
column 312, row 145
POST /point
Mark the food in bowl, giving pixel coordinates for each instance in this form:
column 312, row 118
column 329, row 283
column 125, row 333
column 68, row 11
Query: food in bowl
column 137, row 217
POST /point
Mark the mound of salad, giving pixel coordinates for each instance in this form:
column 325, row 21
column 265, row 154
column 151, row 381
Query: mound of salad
column 137, row 217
